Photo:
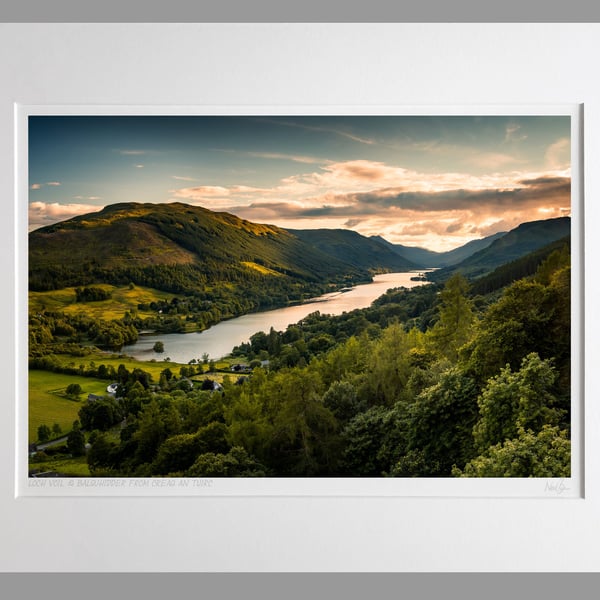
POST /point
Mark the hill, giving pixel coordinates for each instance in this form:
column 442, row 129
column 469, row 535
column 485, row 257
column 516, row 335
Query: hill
column 174, row 247
column 517, row 243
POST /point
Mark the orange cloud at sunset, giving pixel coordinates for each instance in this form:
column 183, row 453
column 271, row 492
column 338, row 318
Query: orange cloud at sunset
column 438, row 211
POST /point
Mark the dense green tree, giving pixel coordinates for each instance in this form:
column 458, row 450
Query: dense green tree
column 546, row 453
column 529, row 317
column 74, row 390
column 305, row 441
column 76, row 442
column 390, row 364
column 516, row 400
column 43, row 433
column 456, row 319
column 100, row 414
column 374, row 441
column 440, row 427
column 101, row 455
column 236, row 463
column 155, row 424
column 341, row 399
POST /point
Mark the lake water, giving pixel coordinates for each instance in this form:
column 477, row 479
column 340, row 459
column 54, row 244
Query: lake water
column 219, row 340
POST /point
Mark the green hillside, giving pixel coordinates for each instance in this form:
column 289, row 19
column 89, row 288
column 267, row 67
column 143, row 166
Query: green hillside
column 173, row 247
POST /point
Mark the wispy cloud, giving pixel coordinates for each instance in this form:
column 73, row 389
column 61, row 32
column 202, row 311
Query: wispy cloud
column 39, row 186
column 178, row 177
column 292, row 157
column 318, row 128
column 132, row 152
column 139, row 166
column 512, row 134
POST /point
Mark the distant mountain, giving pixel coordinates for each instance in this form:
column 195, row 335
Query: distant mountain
column 428, row 258
column 453, row 257
column 517, row 243
column 349, row 246
column 420, row 257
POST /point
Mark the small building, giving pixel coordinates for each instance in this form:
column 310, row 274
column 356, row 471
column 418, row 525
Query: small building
column 112, row 388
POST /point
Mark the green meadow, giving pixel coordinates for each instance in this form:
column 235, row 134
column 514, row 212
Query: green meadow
column 123, row 299
column 48, row 403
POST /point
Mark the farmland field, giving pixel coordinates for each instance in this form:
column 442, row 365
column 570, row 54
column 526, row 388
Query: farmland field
column 123, row 299
column 48, row 403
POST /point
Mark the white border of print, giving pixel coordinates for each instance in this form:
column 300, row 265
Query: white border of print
column 305, row 65
column 439, row 487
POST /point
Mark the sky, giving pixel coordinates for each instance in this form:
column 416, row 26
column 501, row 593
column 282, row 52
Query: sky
column 430, row 181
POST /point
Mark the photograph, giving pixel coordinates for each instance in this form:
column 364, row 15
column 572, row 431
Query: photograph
column 322, row 296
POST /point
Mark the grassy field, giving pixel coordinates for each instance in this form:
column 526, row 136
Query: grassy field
column 74, row 467
column 123, row 299
column 103, row 358
column 48, row 403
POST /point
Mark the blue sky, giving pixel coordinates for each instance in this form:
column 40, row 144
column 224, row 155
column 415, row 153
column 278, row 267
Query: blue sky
column 429, row 181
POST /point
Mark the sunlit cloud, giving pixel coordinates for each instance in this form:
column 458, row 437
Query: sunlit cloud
column 53, row 183
column 35, row 186
column 44, row 213
column 372, row 197
column 87, row 197
column 139, row 166
column 132, row 152
column 178, row 177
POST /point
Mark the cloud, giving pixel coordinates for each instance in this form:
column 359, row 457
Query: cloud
column 512, row 133
column 292, row 157
column 43, row 213
column 491, row 161
column 336, row 131
column 39, row 186
column 351, row 223
column 87, row 197
column 204, row 193
column 183, row 178
column 132, row 152
column 139, row 166
column 439, row 220
column 558, row 154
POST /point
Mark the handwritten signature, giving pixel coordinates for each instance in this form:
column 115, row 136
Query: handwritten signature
column 556, row 487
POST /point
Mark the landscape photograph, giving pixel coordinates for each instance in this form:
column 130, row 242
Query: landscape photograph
column 342, row 296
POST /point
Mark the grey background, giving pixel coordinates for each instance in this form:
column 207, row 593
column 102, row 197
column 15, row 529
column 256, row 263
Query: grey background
column 297, row 586
column 299, row 11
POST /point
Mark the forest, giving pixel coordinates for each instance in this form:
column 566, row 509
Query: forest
column 449, row 379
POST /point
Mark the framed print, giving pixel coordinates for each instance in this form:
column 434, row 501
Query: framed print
column 364, row 299
column 376, row 302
